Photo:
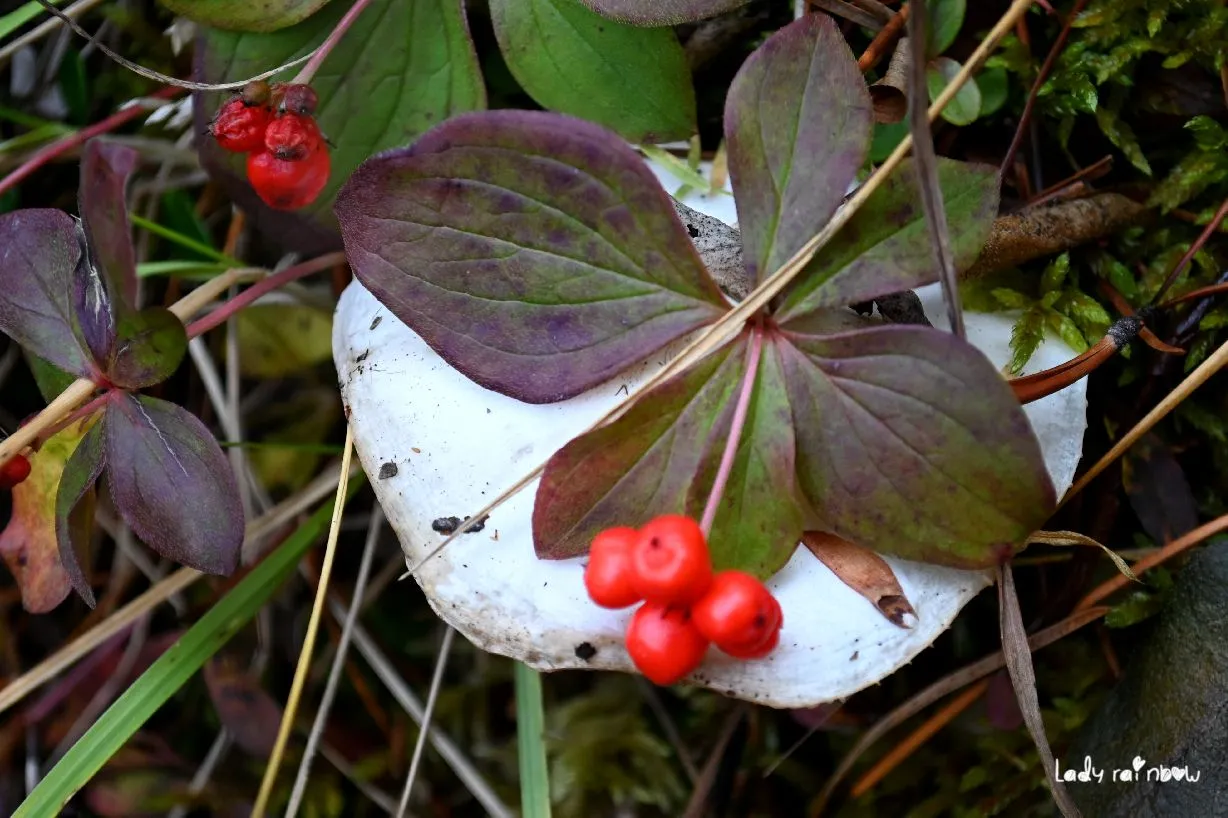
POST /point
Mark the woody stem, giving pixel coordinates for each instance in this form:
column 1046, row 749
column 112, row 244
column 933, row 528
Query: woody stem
column 740, row 410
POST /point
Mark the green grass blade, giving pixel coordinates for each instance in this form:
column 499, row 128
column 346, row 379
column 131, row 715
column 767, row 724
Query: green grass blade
column 192, row 270
column 169, row 673
column 22, row 15
column 182, row 240
column 530, row 741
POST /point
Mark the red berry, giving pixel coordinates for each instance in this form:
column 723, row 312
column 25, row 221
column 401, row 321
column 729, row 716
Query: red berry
column 738, row 611
column 240, row 127
column 753, row 651
column 664, row 643
column 608, row 575
column 14, row 471
column 669, row 562
column 293, row 137
column 300, row 99
column 286, row 185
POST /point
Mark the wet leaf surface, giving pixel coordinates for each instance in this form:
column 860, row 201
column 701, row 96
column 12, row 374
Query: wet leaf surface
column 244, row 15
column 536, row 253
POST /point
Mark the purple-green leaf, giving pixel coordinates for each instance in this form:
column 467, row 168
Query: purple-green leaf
column 641, row 465
column 105, row 168
column 39, row 252
column 797, row 124
column 909, row 442
column 884, row 247
column 662, row 12
column 148, row 348
column 535, row 252
column 759, row 519
column 74, row 507
column 172, row 484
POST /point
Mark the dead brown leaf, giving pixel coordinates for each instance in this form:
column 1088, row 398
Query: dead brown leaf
column 865, row 572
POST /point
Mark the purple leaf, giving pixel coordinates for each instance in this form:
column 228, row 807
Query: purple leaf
column 172, row 484
column 74, row 507
column 759, row 520
column 39, row 252
column 662, row 12
column 535, row 252
column 641, row 465
column 885, row 248
column 797, row 125
column 909, row 442
column 148, row 348
column 105, row 168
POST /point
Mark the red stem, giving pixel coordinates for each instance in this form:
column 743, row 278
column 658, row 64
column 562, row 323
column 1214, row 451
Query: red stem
column 309, row 70
column 80, row 412
column 73, row 140
column 1194, row 248
column 1045, row 68
column 262, row 287
column 735, row 431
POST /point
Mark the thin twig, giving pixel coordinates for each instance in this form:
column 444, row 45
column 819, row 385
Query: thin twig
column 707, row 779
column 447, row 749
column 431, row 697
column 1173, row 399
column 1046, row 67
column 309, row 639
column 374, row 526
column 938, row 690
column 163, row 78
column 926, row 164
column 883, row 40
column 1211, row 227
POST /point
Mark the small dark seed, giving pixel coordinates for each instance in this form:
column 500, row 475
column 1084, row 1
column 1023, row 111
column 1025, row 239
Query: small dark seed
column 585, row 651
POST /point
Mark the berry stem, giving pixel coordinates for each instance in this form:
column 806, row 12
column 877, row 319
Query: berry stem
column 740, row 410
column 308, row 71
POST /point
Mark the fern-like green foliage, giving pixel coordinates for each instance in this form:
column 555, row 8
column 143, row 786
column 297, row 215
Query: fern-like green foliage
column 1095, row 76
column 605, row 755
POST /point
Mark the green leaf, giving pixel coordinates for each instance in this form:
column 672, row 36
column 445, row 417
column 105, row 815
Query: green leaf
column 535, row 252
column 402, row 68
column 1067, row 331
column 572, row 60
column 244, row 15
column 966, row 106
column 1122, row 135
column 946, row 17
column 885, row 248
column 662, row 12
column 51, row 380
column 910, row 443
column 276, row 340
column 531, row 744
column 797, row 127
column 173, row 669
column 23, row 14
column 994, row 84
column 1055, row 273
column 887, row 136
column 149, row 346
column 1011, row 299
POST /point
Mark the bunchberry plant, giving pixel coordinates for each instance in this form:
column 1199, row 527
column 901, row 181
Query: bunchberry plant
column 70, row 298
column 537, row 255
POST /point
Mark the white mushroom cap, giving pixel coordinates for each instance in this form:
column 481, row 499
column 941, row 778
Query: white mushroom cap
column 456, row 445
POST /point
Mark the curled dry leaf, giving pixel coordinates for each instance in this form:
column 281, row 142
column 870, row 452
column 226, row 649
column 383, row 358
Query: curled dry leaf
column 865, row 572
column 28, row 542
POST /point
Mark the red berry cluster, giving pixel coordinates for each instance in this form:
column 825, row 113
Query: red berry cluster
column 666, row 566
column 288, row 163
column 14, row 471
